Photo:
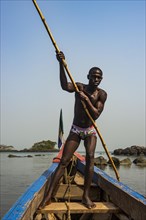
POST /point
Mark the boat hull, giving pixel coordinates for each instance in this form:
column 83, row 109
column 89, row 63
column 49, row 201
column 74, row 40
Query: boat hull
column 28, row 203
column 124, row 198
column 128, row 200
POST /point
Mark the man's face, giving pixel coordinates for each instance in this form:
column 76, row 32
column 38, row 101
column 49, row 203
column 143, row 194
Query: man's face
column 95, row 78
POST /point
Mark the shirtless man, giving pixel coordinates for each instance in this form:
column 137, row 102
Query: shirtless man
column 82, row 128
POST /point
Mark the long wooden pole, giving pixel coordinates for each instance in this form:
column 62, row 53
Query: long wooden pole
column 76, row 88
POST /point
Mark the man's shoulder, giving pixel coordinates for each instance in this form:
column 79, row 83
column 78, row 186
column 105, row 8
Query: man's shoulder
column 81, row 86
column 102, row 93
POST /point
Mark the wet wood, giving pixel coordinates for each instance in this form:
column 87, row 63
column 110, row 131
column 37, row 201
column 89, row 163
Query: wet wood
column 76, row 207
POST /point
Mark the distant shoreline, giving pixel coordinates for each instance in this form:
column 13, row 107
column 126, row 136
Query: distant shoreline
column 29, row 151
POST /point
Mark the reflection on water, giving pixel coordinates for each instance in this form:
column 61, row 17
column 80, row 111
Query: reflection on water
column 18, row 173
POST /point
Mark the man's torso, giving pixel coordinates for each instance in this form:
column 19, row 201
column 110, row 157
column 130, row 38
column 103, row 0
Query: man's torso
column 80, row 116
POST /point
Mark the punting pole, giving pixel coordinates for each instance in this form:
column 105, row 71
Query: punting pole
column 76, row 88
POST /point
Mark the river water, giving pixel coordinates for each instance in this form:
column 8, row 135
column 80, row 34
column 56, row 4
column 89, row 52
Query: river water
column 18, row 173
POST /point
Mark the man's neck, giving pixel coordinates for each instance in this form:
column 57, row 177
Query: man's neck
column 91, row 88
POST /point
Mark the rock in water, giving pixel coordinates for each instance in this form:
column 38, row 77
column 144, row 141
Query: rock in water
column 140, row 161
column 126, row 161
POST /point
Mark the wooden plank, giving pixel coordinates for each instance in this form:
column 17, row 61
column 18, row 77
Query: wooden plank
column 129, row 201
column 76, row 207
column 75, row 192
column 79, row 180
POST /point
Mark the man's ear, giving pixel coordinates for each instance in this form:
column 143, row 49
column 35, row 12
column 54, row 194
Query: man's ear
column 88, row 76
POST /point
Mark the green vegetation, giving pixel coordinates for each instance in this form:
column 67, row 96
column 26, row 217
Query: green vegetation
column 46, row 146
column 43, row 146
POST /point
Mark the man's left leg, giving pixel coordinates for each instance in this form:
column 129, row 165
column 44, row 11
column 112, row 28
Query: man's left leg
column 90, row 144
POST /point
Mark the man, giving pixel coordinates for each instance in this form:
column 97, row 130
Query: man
column 82, row 128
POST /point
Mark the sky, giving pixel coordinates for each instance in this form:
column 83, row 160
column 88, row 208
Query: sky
column 107, row 34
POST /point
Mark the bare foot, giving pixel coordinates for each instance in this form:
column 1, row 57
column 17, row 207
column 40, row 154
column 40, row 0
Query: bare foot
column 88, row 203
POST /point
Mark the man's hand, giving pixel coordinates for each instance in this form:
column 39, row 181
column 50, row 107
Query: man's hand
column 82, row 95
column 60, row 56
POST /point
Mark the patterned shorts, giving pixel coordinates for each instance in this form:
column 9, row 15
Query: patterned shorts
column 83, row 132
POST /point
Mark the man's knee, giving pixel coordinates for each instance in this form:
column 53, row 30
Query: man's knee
column 90, row 156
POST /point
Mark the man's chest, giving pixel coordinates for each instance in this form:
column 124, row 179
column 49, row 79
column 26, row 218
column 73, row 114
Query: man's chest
column 92, row 95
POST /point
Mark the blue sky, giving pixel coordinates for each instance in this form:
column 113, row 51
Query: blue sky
column 108, row 34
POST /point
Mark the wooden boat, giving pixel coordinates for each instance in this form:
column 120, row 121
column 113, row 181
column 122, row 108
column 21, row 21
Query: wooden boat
column 114, row 200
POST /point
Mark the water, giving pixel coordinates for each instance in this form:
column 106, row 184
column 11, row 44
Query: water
column 18, row 173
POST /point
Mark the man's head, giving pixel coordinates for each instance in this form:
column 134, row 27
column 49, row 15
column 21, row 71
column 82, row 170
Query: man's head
column 95, row 76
